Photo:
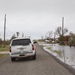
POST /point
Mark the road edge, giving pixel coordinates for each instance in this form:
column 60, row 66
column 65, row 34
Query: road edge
column 71, row 69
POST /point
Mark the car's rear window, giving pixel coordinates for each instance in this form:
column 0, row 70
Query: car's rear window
column 21, row 42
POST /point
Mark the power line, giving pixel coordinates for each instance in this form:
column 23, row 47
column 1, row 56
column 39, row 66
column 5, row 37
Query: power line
column 9, row 30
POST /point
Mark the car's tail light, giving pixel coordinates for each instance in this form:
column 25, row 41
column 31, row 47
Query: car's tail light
column 32, row 47
column 10, row 49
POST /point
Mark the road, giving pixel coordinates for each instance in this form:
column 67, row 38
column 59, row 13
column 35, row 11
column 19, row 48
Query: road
column 43, row 65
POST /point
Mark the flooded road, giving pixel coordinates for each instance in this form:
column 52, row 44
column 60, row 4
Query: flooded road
column 69, row 52
column 44, row 64
column 64, row 53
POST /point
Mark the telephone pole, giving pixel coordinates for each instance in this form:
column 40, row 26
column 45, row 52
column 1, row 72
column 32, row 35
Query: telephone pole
column 49, row 35
column 63, row 35
column 62, row 25
column 4, row 28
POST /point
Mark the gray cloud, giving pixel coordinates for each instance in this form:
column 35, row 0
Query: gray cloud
column 37, row 16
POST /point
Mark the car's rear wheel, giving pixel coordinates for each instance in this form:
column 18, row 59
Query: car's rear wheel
column 34, row 57
column 12, row 59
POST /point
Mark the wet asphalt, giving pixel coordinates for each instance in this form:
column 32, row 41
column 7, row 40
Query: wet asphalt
column 43, row 65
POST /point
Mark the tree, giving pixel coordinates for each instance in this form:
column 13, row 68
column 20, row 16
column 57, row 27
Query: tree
column 17, row 33
column 0, row 42
column 49, row 35
column 54, row 37
column 72, row 38
column 22, row 34
column 13, row 37
column 61, row 35
column 62, row 40
column 59, row 31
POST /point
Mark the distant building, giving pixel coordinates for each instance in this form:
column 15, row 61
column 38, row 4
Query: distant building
column 67, row 37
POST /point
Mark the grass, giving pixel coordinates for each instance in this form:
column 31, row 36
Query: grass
column 55, row 51
column 4, row 49
column 58, row 52
column 49, row 48
column 3, row 55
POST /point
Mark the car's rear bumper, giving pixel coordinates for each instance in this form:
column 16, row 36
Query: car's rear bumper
column 24, row 55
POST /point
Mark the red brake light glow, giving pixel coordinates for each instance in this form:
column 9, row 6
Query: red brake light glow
column 10, row 49
column 32, row 47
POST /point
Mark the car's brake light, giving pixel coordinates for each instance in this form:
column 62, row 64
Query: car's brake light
column 32, row 47
column 10, row 49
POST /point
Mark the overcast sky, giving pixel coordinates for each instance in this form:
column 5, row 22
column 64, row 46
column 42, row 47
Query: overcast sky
column 36, row 17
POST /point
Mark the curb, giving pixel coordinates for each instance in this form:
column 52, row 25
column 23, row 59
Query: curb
column 71, row 69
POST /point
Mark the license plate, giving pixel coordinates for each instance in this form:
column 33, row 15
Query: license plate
column 21, row 55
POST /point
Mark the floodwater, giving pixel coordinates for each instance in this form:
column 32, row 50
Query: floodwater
column 66, row 51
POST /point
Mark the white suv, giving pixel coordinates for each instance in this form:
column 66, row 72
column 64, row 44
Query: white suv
column 22, row 47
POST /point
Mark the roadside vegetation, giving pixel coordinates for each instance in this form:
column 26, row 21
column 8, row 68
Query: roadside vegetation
column 3, row 55
column 50, row 48
column 59, row 52
column 59, row 36
column 6, row 48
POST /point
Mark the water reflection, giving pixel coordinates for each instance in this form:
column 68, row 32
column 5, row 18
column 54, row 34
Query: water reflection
column 64, row 51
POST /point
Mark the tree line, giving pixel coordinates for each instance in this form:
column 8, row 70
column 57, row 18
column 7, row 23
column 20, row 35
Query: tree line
column 62, row 38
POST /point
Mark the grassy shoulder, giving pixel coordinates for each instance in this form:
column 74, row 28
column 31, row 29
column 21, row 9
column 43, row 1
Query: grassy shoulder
column 3, row 55
column 55, row 51
column 4, row 49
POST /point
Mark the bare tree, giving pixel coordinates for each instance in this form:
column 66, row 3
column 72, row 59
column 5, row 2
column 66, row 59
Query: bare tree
column 55, row 36
column 59, row 31
column 17, row 33
column 72, row 34
column 42, row 37
column 65, row 31
column 22, row 34
column 49, row 34
column 61, row 35
column 72, row 39
column 13, row 37
column 0, row 42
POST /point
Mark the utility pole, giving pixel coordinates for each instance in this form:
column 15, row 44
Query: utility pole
column 63, row 35
column 54, row 36
column 49, row 35
column 4, row 28
column 62, row 25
